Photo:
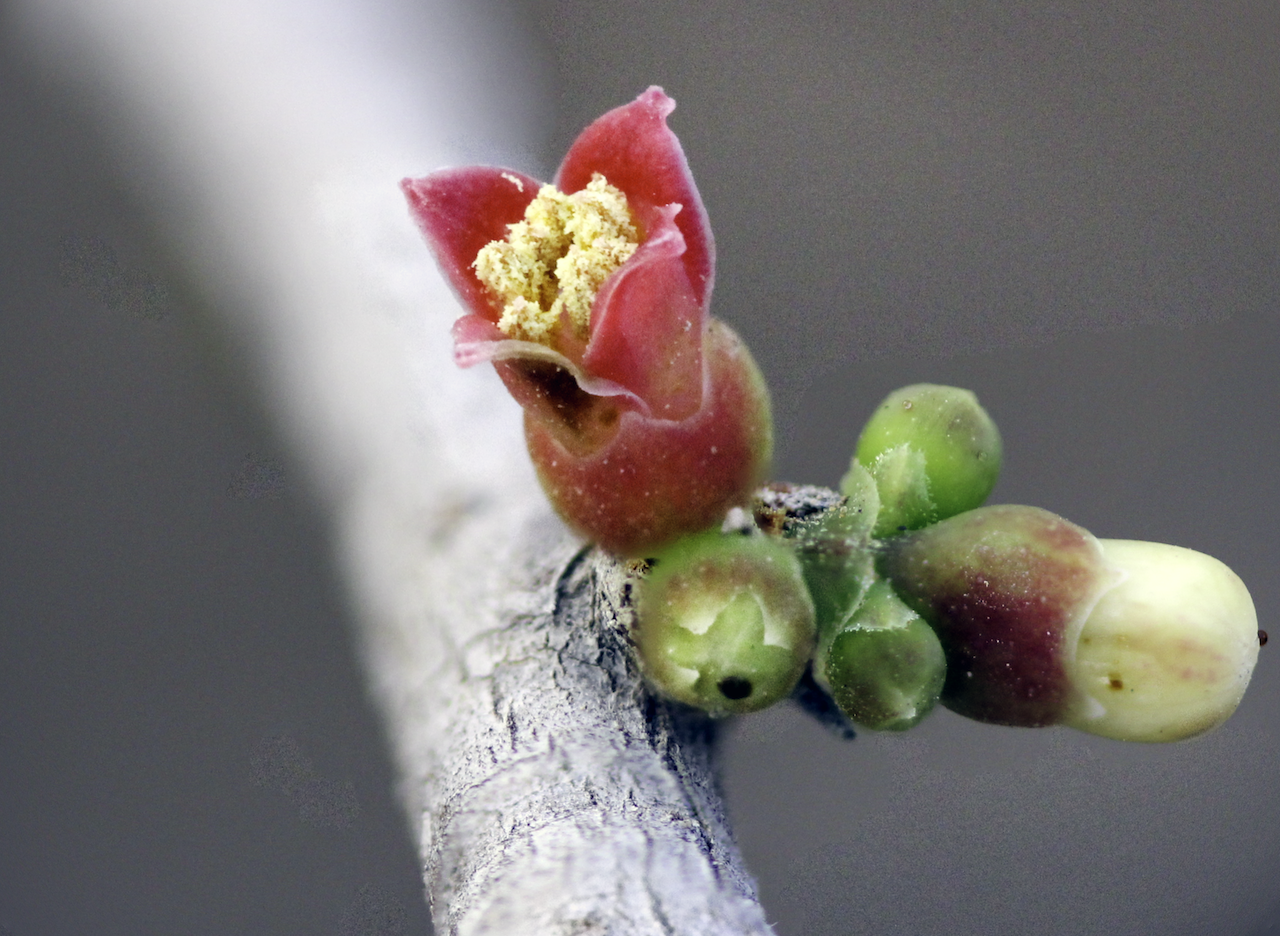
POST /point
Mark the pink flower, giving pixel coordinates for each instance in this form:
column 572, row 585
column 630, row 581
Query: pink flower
column 645, row 418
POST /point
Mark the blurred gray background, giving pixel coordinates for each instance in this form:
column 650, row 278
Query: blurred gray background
column 1071, row 208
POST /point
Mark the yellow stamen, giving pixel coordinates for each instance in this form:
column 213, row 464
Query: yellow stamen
column 557, row 258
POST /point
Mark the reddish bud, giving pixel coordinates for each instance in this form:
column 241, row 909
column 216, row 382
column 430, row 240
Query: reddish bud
column 1007, row 589
column 1043, row 624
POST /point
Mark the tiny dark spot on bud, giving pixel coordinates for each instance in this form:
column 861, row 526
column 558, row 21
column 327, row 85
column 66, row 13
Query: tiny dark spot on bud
column 734, row 687
column 1262, row 638
column 1116, row 683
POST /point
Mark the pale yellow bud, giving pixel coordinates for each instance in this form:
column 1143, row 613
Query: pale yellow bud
column 1167, row 652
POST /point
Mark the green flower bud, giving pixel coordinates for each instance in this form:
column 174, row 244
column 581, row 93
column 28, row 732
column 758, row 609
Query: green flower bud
column 1167, row 652
column 933, row 451
column 884, row 667
column 724, row 622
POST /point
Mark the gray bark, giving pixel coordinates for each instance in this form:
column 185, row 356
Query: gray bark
column 550, row 792
column 556, row 794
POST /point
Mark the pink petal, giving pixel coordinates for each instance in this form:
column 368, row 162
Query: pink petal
column 647, row 324
column 477, row 340
column 461, row 210
column 473, row 340
column 635, row 150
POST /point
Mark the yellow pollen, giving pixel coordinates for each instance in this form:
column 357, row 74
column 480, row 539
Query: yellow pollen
column 556, row 259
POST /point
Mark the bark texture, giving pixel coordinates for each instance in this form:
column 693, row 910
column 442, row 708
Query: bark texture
column 556, row 794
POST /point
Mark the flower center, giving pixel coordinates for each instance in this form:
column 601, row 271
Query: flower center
column 554, row 262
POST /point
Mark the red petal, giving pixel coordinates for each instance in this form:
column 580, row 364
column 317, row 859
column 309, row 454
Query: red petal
column 473, row 338
column 632, row 147
column 647, row 324
column 461, row 210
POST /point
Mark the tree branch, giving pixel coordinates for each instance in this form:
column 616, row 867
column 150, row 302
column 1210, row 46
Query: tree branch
column 557, row 794
column 550, row 791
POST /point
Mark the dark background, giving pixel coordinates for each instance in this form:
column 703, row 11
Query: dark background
column 1071, row 208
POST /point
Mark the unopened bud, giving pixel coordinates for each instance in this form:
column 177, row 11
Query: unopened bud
column 1167, row 652
column 725, row 623
column 884, row 666
column 1006, row 588
column 933, row 451
column 1044, row 624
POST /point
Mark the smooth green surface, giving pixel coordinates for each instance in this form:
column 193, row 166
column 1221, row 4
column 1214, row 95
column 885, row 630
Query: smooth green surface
column 933, row 452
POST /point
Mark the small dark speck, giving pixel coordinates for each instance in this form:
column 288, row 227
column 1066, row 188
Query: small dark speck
column 734, row 687
column 1262, row 638
column 1116, row 683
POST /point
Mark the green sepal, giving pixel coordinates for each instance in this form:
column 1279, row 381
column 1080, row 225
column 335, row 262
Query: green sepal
column 884, row 666
column 834, row 550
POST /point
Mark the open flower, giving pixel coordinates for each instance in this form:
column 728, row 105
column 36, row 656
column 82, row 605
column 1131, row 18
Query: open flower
column 645, row 418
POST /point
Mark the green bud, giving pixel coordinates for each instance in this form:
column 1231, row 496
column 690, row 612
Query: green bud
column 884, row 667
column 933, row 451
column 724, row 622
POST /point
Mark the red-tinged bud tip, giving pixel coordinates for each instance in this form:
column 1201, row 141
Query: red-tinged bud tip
column 1007, row 588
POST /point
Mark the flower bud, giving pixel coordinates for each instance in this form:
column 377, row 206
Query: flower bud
column 724, row 623
column 1044, row 624
column 1168, row 651
column 884, row 666
column 1006, row 588
column 933, row 451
